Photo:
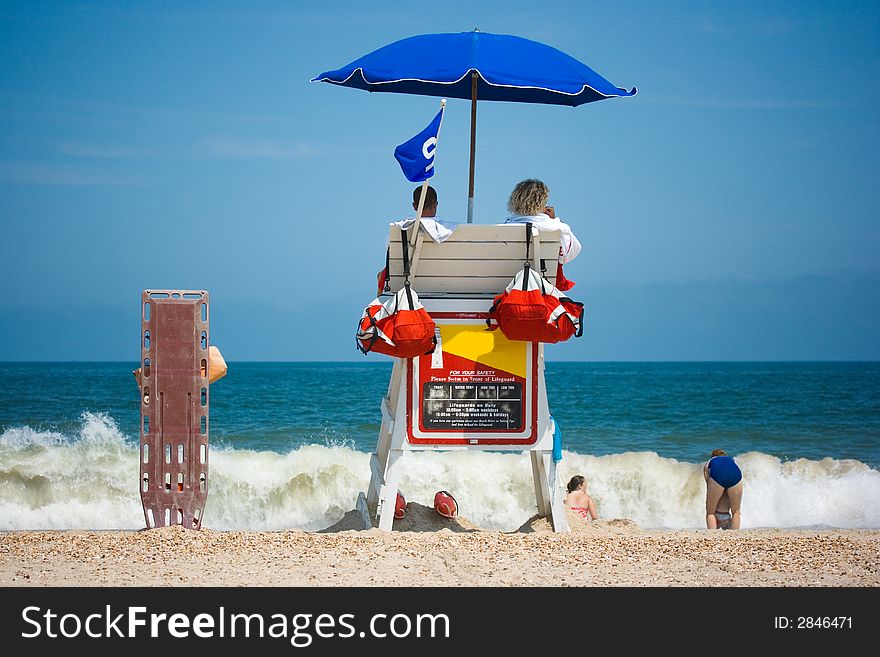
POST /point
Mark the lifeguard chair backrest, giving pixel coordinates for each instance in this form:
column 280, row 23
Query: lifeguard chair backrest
column 174, row 407
column 475, row 261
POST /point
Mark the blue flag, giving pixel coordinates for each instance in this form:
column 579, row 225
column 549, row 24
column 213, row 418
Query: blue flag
column 416, row 156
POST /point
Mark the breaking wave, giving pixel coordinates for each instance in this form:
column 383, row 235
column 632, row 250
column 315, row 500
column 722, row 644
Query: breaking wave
column 90, row 481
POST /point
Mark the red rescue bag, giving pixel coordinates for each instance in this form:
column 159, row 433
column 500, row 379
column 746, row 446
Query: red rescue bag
column 533, row 310
column 401, row 327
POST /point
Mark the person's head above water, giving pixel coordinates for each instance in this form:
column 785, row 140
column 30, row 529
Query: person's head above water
column 528, row 198
column 430, row 208
column 576, row 482
column 719, row 452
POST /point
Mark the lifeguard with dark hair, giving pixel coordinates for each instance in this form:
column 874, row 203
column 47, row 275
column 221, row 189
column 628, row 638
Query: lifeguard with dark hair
column 430, row 208
column 435, row 227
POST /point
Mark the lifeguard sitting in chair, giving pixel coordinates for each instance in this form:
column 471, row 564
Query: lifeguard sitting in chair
column 528, row 205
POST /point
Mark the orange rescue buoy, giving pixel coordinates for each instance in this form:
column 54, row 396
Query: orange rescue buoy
column 400, row 506
column 445, row 504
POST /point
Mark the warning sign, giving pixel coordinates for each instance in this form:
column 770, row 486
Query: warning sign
column 472, row 406
column 477, row 387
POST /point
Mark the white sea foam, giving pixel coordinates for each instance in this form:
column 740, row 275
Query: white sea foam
column 90, row 481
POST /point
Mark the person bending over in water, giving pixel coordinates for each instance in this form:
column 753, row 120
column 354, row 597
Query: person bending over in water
column 724, row 487
column 578, row 500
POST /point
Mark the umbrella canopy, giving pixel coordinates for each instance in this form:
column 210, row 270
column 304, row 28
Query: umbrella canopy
column 508, row 68
column 476, row 65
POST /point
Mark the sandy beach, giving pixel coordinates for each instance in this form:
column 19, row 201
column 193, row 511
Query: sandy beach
column 426, row 550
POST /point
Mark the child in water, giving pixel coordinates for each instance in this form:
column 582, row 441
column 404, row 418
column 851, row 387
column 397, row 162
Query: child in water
column 578, row 500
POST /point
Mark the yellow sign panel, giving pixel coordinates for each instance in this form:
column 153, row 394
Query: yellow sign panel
column 491, row 348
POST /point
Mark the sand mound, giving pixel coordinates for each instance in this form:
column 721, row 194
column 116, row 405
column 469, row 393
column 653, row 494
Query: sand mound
column 351, row 521
column 535, row 524
column 418, row 518
column 421, row 518
column 614, row 526
column 170, row 530
column 577, row 524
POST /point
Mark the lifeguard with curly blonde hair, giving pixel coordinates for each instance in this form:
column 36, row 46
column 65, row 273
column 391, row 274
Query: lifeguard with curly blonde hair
column 528, row 203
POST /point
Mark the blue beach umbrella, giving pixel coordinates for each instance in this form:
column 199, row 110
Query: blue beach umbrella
column 476, row 65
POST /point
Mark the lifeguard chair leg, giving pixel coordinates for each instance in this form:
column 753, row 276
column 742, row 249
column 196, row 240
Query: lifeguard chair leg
column 379, row 460
column 174, row 407
column 361, row 506
column 557, row 507
column 539, row 476
column 388, row 494
column 547, row 492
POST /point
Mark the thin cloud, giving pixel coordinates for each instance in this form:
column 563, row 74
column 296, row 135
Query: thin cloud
column 102, row 151
column 106, row 151
column 734, row 103
column 710, row 27
column 213, row 146
column 255, row 149
column 770, row 27
column 50, row 174
column 177, row 113
column 77, row 110
column 294, row 15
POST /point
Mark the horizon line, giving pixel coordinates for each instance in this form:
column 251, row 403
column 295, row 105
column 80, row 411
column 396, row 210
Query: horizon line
column 388, row 362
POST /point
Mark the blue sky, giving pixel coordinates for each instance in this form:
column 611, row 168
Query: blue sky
column 727, row 211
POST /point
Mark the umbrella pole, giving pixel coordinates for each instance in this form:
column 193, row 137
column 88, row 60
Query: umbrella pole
column 470, row 215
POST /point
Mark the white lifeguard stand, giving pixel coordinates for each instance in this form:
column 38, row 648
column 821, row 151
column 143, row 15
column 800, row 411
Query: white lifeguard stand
column 478, row 390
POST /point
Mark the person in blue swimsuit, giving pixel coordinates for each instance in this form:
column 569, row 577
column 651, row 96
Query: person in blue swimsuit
column 724, row 486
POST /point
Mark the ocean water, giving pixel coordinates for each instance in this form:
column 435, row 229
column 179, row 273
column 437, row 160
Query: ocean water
column 291, row 442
